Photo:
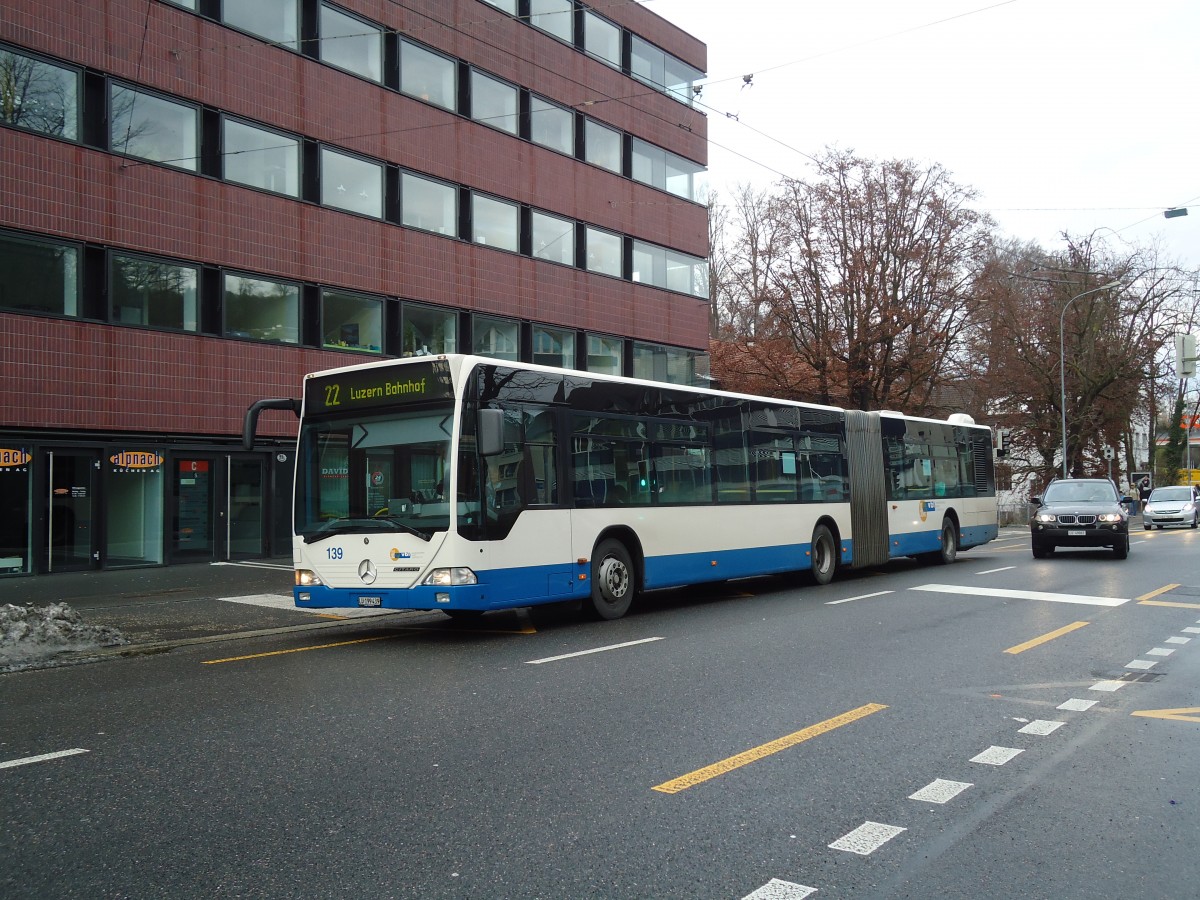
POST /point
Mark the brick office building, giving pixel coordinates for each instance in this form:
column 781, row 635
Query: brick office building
column 202, row 200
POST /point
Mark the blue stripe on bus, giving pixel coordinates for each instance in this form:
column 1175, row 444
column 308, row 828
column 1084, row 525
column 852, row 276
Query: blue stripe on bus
column 931, row 541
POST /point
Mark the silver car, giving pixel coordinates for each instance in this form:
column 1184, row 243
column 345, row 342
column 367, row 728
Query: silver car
column 1174, row 505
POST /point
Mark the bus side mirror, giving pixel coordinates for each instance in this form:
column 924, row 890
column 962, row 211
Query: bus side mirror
column 489, row 431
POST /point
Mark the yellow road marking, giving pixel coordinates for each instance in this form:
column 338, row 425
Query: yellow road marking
column 1161, row 590
column 1182, row 714
column 683, row 782
column 1037, row 641
column 209, row 662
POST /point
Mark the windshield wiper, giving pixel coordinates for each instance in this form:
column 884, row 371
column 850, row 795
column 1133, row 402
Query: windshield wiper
column 363, row 526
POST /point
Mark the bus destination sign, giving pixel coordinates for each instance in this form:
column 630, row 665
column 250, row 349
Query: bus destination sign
column 384, row 386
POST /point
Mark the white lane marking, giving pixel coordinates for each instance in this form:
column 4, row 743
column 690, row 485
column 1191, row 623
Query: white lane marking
column 1041, row 727
column 866, row 838
column 994, row 571
column 255, row 565
column 1107, row 686
column 1178, row 640
column 1191, row 630
column 1141, row 664
column 859, row 597
column 781, row 890
column 940, row 791
column 1078, row 705
column 1159, row 651
column 285, row 601
column 13, row 763
column 538, row 662
column 996, row 756
column 1022, row 595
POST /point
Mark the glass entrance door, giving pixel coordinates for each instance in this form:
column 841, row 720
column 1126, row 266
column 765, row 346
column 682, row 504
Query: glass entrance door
column 246, row 520
column 194, row 516
column 70, row 507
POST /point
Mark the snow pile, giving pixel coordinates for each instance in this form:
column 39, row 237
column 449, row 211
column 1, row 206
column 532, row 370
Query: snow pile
column 31, row 634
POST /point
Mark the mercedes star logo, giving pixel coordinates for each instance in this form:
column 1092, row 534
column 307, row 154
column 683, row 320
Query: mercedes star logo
column 366, row 571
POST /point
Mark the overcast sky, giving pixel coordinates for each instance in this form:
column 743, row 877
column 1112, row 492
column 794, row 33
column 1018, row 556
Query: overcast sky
column 1070, row 115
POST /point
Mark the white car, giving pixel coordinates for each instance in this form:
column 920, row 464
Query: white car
column 1176, row 505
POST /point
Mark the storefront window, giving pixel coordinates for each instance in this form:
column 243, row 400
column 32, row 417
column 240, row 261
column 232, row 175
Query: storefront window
column 152, row 292
column 38, row 276
column 134, row 507
column 261, row 309
column 16, row 497
column 429, row 331
column 38, row 96
column 352, row 321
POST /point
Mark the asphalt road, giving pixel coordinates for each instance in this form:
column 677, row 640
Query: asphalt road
column 762, row 740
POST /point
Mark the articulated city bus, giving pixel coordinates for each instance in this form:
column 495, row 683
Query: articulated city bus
column 468, row 484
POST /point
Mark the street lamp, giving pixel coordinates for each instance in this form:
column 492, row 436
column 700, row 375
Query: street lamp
column 1062, row 360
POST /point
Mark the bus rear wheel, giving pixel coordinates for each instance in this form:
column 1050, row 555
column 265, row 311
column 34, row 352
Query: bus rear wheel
column 823, row 555
column 613, row 580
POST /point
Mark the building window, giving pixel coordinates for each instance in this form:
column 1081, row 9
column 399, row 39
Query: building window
column 553, row 238
column 495, row 223
column 38, row 276
column 153, row 128
column 670, row 269
column 351, row 321
column 509, row 6
column 263, row 159
column 493, row 102
column 602, row 146
column 664, row 170
column 427, row 204
column 352, row 184
column 553, row 347
column 351, row 43
column 133, row 513
column 428, row 76
column 38, row 96
column 604, row 354
column 663, row 71
column 261, row 309
column 654, row 362
column 153, row 292
column 556, row 17
column 428, row 331
column 603, row 250
column 551, row 126
column 186, row 4
column 602, row 39
column 274, row 20
column 496, row 337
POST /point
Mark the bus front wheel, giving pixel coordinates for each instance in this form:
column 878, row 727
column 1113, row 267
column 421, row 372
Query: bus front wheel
column 613, row 580
column 823, row 555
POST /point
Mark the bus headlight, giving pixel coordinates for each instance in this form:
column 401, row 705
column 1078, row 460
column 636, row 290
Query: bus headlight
column 307, row 578
column 445, row 577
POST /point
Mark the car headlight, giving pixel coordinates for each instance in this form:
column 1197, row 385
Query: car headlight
column 445, row 577
column 1045, row 518
column 1110, row 517
column 307, row 578
column 1188, row 507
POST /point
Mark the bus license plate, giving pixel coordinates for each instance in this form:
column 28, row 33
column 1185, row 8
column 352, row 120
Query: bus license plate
column 1080, row 533
column 370, row 601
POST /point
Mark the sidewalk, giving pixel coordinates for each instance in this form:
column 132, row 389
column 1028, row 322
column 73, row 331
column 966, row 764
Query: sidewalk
column 176, row 604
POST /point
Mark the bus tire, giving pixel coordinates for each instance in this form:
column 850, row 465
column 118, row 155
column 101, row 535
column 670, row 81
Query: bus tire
column 823, row 555
column 613, row 580
column 947, row 550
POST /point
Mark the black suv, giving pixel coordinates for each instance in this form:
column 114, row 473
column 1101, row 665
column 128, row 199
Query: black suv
column 1080, row 512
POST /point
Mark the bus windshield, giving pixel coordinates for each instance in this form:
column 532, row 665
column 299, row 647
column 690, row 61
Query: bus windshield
column 384, row 472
